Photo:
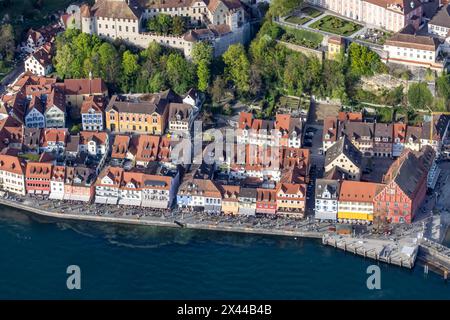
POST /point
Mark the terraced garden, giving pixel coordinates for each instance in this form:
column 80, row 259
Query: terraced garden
column 336, row 25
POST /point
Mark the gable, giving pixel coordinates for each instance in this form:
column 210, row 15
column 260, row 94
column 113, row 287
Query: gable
column 107, row 180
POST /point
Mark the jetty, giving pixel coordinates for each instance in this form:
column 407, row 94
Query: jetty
column 402, row 253
column 435, row 255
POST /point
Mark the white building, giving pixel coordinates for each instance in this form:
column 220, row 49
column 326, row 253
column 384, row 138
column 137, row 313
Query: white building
column 345, row 156
column 54, row 140
column 39, row 62
column 57, row 183
column 409, row 48
column 55, row 111
column 34, row 117
column 12, row 174
column 92, row 114
column 34, row 40
column 326, row 202
column 440, row 23
column 108, row 184
column 125, row 19
column 391, row 15
column 94, row 143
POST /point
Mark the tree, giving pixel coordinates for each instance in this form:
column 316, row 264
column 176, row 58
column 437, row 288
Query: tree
column 203, row 75
column 109, row 62
column 363, row 61
column 202, row 51
column 180, row 73
column 178, row 25
column 63, row 59
column 217, row 89
column 443, row 86
column 237, row 67
column 130, row 67
column 7, row 43
column 419, row 96
column 157, row 82
column 280, row 8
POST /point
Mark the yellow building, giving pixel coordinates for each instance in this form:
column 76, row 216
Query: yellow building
column 147, row 114
column 230, row 201
column 356, row 201
column 336, row 46
column 291, row 199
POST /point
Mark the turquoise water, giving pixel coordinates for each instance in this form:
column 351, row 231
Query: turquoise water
column 122, row 262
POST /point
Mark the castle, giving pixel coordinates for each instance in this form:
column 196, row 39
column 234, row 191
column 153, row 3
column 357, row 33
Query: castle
column 220, row 22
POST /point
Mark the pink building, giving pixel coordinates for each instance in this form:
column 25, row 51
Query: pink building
column 392, row 15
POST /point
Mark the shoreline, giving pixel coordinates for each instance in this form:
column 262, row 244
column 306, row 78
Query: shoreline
column 323, row 236
column 158, row 223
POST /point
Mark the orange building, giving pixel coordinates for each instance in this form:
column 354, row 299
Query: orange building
column 146, row 114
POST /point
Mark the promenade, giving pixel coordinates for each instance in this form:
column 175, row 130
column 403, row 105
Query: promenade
column 401, row 251
column 284, row 227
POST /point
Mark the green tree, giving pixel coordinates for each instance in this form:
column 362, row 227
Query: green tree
column 130, row 67
column 363, row 61
column 7, row 42
column 110, row 63
column 180, row 73
column 157, row 82
column 237, row 67
column 178, row 25
column 280, row 8
column 419, row 96
column 165, row 22
column 217, row 89
column 202, row 51
column 63, row 59
column 203, row 75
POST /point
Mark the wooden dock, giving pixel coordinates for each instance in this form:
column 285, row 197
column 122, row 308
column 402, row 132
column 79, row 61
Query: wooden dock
column 400, row 254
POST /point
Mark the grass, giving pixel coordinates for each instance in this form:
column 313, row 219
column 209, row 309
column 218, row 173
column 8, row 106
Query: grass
column 33, row 16
column 312, row 12
column 336, row 25
column 5, row 68
column 385, row 115
column 302, row 37
column 298, row 20
column 29, row 156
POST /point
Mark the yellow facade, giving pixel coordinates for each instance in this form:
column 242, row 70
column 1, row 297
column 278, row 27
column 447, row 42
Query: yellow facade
column 135, row 122
column 230, row 207
column 355, row 215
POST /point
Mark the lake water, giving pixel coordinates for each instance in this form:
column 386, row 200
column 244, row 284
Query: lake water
column 129, row 262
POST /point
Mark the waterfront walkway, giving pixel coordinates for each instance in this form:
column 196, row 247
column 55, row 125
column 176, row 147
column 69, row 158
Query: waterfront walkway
column 285, row 227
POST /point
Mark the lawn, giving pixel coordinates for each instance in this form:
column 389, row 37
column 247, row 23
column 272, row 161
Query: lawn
column 5, row 68
column 298, row 20
column 302, row 38
column 336, row 25
column 30, row 156
column 33, row 15
column 312, row 12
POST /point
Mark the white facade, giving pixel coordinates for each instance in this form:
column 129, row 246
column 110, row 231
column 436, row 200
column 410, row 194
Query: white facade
column 57, row 189
column 397, row 148
column 35, row 67
column 35, row 119
column 411, row 55
column 92, row 120
column 55, row 117
column 107, row 192
column 12, row 182
column 390, row 17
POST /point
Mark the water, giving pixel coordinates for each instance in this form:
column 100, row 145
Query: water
column 160, row 263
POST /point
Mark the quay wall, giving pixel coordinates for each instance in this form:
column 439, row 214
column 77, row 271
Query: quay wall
column 159, row 223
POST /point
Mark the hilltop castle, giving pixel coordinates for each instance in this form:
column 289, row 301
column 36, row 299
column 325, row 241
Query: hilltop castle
column 221, row 22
